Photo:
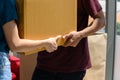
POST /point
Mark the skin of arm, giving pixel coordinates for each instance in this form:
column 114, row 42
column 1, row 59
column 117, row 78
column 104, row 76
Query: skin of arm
column 73, row 38
column 23, row 45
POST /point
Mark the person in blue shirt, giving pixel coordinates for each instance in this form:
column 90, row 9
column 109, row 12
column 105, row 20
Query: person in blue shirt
column 10, row 40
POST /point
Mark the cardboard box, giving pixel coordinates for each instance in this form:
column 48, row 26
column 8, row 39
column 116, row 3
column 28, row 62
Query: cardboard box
column 42, row 19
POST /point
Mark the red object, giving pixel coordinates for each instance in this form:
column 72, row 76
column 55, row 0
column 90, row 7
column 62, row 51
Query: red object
column 13, row 76
column 15, row 67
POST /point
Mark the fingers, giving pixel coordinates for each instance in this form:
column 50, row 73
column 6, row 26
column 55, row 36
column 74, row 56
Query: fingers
column 68, row 43
column 51, row 49
column 52, row 46
column 72, row 39
column 73, row 43
column 68, row 39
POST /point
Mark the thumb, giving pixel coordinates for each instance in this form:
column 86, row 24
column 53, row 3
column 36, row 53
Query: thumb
column 58, row 37
column 66, row 36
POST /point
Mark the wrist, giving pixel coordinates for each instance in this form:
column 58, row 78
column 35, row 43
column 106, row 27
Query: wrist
column 43, row 43
column 82, row 34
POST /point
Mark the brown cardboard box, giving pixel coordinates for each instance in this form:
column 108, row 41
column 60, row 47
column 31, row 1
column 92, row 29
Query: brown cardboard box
column 41, row 19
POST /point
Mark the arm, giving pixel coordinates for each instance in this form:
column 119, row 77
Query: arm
column 97, row 24
column 74, row 37
column 23, row 45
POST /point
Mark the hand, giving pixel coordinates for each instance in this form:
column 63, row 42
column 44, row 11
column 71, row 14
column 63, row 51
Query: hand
column 72, row 39
column 51, row 44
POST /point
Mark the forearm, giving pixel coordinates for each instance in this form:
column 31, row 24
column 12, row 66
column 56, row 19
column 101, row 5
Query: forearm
column 96, row 25
column 24, row 45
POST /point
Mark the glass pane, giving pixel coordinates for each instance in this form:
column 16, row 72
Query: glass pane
column 118, row 17
column 117, row 53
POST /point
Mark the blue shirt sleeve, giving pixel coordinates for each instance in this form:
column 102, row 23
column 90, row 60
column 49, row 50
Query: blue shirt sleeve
column 9, row 11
